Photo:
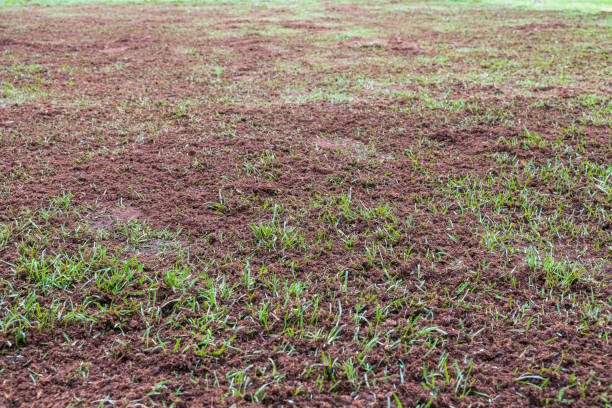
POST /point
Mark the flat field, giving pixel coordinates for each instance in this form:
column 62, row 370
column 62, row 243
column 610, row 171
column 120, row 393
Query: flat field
column 305, row 204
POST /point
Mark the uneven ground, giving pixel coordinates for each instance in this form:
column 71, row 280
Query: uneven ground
column 323, row 204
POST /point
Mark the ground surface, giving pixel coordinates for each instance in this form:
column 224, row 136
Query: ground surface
column 324, row 204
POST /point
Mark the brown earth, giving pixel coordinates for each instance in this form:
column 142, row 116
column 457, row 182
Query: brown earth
column 130, row 116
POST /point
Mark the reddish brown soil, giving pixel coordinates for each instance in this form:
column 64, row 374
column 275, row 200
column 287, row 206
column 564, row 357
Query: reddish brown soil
column 131, row 136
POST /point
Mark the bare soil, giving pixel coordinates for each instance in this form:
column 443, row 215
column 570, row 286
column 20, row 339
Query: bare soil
column 199, row 120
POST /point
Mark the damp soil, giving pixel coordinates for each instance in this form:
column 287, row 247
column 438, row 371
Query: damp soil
column 188, row 119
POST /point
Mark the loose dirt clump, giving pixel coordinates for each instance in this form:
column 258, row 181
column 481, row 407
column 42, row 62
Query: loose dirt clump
column 404, row 46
